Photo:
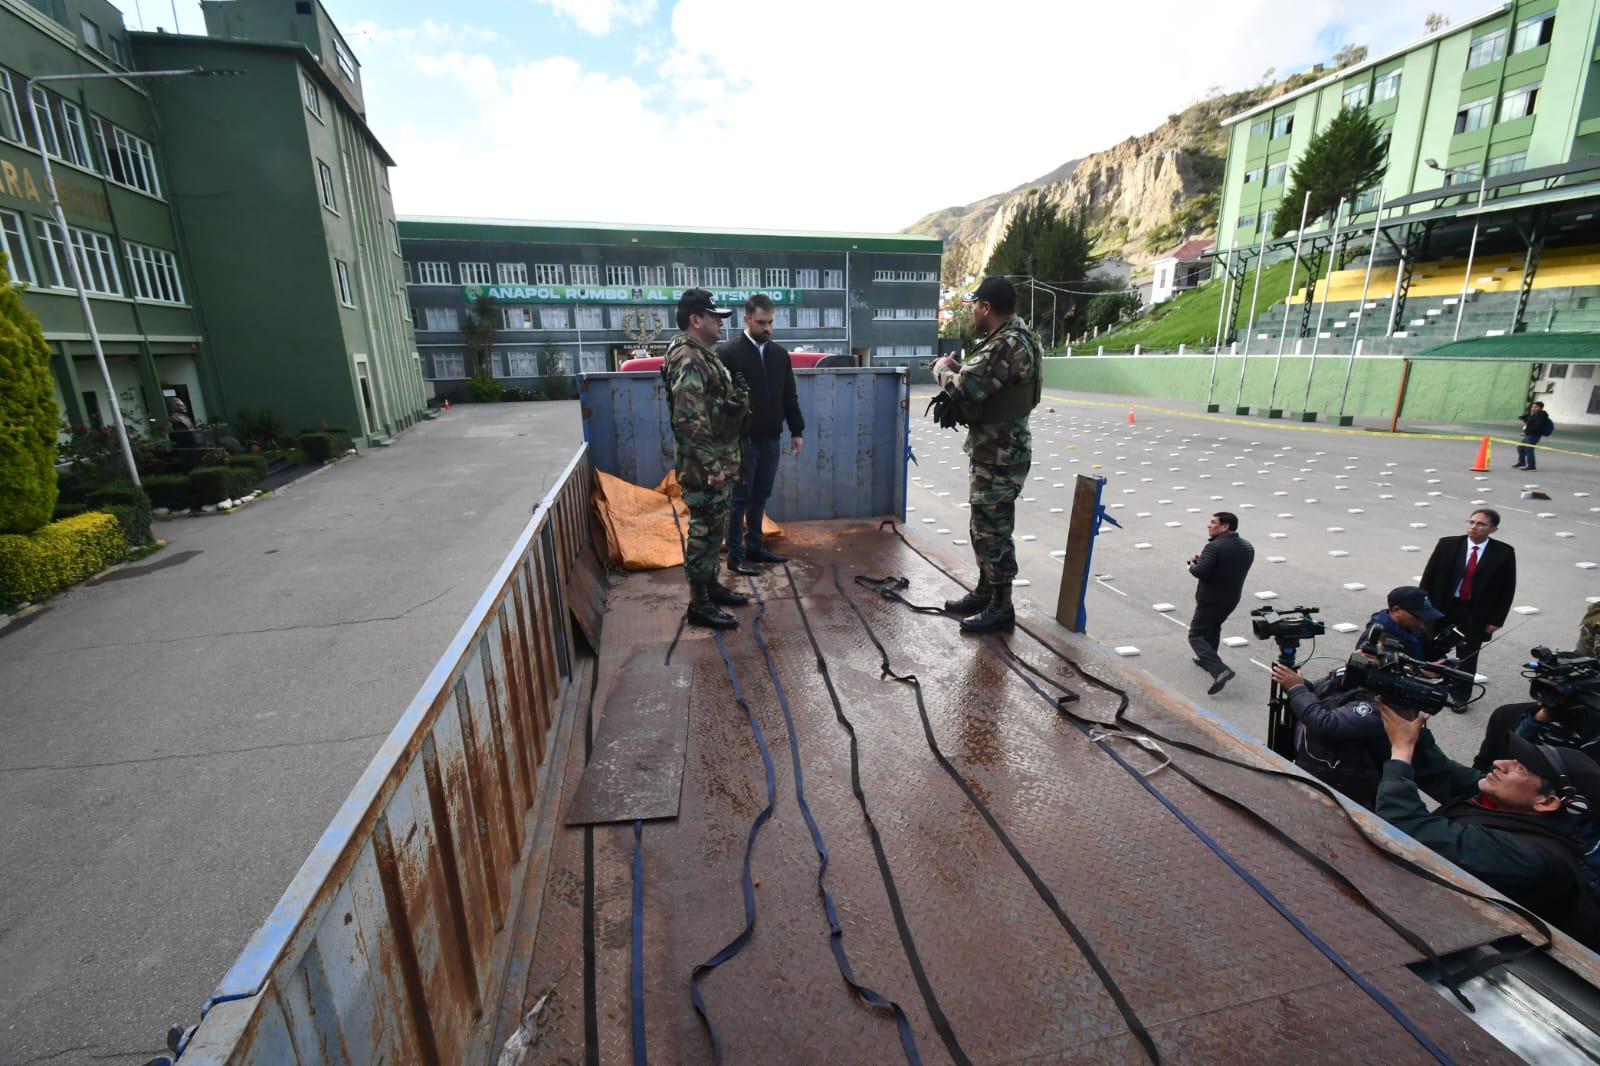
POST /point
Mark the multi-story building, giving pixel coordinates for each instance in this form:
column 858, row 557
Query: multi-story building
column 1515, row 89
column 117, row 192
column 572, row 297
column 283, row 194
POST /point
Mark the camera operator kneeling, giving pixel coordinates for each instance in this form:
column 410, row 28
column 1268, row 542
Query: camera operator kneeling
column 1338, row 736
column 1564, row 711
column 1518, row 827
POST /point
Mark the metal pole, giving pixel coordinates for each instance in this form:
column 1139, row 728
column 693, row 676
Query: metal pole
column 1227, row 291
column 1461, row 308
column 1300, row 237
column 1255, row 291
column 71, row 255
column 1322, row 309
column 1361, row 315
column 1347, row 372
column 1394, row 297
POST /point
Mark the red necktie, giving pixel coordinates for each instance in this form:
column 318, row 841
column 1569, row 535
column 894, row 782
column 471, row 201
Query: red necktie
column 1466, row 575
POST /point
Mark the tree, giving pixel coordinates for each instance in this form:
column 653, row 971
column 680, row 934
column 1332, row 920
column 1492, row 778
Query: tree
column 1435, row 22
column 483, row 322
column 1340, row 163
column 1349, row 56
column 29, row 419
column 1042, row 244
column 1108, row 308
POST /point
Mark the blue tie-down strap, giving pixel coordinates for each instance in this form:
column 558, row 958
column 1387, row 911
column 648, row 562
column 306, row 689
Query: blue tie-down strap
column 1100, row 515
column 911, row 455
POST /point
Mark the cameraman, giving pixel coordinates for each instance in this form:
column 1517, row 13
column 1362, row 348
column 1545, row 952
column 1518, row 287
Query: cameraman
column 1340, row 742
column 1564, row 711
column 1519, row 827
column 1406, row 619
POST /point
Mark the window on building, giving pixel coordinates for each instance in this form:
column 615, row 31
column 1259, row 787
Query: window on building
column 346, row 295
column 405, row 268
column 1386, row 87
column 1260, row 126
column 1253, row 175
column 1508, row 164
column 1532, row 32
column 97, row 259
column 1519, row 102
column 154, row 273
column 511, row 273
column 717, row 277
column 130, row 160
column 91, row 35
column 653, row 275
column 1384, row 137
column 449, row 365
column 833, row 318
column 749, row 277
column 619, row 275
column 781, row 317
column 777, row 277
column 618, row 315
column 1488, row 48
column 516, row 317
column 682, row 274
column 808, row 279
column 586, row 273
column 1365, row 201
column 517, row 363
column 10, row 117
column 474, row 273
column 405, row 305
column 1245, row 222
column 554, row 318
column 1276, row 173
column 440, row 318
column 591, row 316
column 547, row 273
column 905, row 275
column 1466, row 174
column 1557, row 370
column 330, row 198
column 1356, row 96
column 75, row 136
column 1266, row 219
column 833, row 279
column 13, row 244
column 347, row 62
column 433, row 273
column 808, row 317
column 1282, row 126
column 312, row 95
column 44, row 123
column 1474, row 115
column 119, row 51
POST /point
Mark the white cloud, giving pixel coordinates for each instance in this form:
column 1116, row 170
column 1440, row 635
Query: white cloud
column 836, row 115
column 600, row 16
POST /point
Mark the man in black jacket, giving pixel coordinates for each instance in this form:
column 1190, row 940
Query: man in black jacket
column 1220, row 567
column 766, row 369
column 1536, row 425
column 1472, row 579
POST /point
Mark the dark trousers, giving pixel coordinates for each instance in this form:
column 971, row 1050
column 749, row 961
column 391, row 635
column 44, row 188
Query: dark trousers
column 1525, row 452
column 758, row 470
column 1456, row 613
column 1205, row 635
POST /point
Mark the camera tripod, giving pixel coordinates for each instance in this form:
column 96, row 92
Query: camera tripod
column 1280, row 720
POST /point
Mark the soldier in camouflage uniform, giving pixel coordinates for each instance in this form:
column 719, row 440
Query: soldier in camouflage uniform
column 997, row 385
column 709, row 413
column 1589, row 631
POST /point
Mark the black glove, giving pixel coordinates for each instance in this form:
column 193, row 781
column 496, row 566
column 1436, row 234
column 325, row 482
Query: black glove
column 946, row 411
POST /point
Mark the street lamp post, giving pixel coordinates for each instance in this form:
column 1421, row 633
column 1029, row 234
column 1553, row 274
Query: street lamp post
column 70, row 248
column 1472, row 248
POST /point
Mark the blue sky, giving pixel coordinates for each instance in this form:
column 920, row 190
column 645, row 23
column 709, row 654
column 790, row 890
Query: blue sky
column 844, row 115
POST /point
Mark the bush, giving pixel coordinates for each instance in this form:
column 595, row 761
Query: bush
column 485, row 388
column 131, row 506
column 317, row 446
column 69, row 509
column 252, row 461
column 208, row 485
column 62, row 553
column 260, row 427
column 28, row 415
column 170, row 491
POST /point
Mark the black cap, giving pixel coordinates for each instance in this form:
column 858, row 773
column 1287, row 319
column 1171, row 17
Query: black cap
column 1580, row 791
column 996, row 292
column 1413, row 599
column 699, row 302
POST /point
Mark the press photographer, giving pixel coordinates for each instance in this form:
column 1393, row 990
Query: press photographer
column 1564, row 710
column 1338, row 733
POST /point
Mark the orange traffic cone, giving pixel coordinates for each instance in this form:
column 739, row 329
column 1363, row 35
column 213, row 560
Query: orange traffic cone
column 1130, row 416
column 447, row 405
column 1482, row 464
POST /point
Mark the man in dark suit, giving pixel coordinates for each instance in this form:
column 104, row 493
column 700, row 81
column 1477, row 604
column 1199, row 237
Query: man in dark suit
column 1220, row 567
column 1472, row 579
column 765, row 367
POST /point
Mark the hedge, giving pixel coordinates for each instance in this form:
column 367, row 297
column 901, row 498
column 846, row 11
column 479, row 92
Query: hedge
column 170, row 491
column 130, row 504
column 63, row 553
column 213, row 484
column 252, row 461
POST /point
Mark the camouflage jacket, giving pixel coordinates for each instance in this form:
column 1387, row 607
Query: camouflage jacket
column 1589, row 630
column 1009, row 355
column 709, row 413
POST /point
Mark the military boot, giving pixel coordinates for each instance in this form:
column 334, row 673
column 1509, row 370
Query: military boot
column 723, row 596
column 997, row 615
column 703, row 612
column 972, row 602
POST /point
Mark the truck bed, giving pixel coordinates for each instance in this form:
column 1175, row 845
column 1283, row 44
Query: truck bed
column 1106, row 908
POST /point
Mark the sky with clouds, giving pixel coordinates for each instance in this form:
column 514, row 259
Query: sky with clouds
column 843, row 115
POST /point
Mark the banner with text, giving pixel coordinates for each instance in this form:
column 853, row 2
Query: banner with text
column 616, row 294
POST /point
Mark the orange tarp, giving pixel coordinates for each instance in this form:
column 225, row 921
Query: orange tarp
column 645, row 527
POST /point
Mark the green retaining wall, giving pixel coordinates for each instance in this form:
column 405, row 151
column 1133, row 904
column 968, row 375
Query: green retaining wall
column 1438, row 391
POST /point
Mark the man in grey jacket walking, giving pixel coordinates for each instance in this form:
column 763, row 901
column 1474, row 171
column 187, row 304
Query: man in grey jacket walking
column 1220, row 569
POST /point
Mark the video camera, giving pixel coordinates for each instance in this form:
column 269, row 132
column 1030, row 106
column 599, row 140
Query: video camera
column 1397, row 679
column 1287, row 629
column 1564, row 682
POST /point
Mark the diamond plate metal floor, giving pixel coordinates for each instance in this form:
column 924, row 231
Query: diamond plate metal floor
column 1212, row 971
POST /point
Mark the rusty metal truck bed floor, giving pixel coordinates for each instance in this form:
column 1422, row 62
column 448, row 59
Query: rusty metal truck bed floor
column 1207, row 966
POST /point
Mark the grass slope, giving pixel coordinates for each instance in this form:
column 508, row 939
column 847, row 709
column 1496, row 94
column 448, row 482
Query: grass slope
column 1191, row 317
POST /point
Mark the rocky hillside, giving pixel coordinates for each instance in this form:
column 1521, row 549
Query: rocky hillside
column 1142, row 197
